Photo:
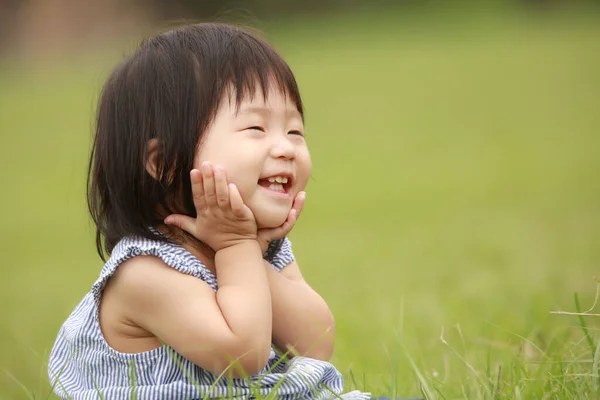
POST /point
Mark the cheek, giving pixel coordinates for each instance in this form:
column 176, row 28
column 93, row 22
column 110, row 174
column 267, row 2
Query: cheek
column 206, row 154
column 244, row 183
column 245, row 178
column 304, row 168
column 241, row 168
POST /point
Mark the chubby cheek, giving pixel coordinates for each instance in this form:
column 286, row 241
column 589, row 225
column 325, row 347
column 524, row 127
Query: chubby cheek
column 268, row 214
column 246, row 183
column 304, row 173
column 243, row 177
column 269, row 218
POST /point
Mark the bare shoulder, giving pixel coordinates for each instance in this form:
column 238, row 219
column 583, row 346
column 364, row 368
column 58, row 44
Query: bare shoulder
column 144, row 288
column 140, row 271
column 117, row 307
column 144, row 278
column 134, row 277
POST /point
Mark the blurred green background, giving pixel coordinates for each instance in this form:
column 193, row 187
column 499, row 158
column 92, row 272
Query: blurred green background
column 455, row 185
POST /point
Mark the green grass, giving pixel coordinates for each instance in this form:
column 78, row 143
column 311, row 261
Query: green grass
column 454, row 204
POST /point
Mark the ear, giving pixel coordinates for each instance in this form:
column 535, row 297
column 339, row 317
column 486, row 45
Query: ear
column 152, row 158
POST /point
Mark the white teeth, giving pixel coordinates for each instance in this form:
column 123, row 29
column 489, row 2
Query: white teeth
column 278, row 179
column 278, row 187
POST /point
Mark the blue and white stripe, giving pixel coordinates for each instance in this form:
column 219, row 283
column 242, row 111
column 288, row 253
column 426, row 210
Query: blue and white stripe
column 83, row 366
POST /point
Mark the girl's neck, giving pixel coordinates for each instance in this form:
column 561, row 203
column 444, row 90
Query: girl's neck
column 201, row 251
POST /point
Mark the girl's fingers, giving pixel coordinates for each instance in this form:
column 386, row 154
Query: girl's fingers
column 289, row 222
column 183, row 222
column 221, row 189
column 299, row 203
column 197, row 190
column 209, row 184
column 293, row 217
column 237, row 204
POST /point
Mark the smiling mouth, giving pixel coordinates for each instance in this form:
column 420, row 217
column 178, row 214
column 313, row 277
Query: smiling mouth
column 279, row 184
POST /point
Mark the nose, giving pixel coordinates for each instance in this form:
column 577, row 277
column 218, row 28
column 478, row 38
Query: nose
column 283, row 148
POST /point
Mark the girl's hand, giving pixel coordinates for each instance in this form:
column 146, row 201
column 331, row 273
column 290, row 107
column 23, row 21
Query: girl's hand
column 267, row 235
column 223, row 219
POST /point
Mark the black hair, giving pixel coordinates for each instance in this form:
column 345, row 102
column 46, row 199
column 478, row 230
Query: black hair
column 169, row 89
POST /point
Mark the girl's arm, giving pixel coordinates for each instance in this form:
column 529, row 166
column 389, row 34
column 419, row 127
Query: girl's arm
column 302, row 322
column 210, row 329
column 213, row 330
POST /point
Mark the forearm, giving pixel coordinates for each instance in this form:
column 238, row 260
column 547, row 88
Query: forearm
column 244, row 297
column 302, row 321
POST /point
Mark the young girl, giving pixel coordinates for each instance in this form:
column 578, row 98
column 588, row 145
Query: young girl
column 197, row 173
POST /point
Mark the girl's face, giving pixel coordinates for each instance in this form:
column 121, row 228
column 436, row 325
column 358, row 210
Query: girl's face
column 261, row 146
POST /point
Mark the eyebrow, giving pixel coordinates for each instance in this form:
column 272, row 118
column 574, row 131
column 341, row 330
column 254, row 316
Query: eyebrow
column 266, row 111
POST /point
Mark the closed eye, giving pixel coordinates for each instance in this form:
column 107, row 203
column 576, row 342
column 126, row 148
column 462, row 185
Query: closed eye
column 255, row 128
column 295, row 133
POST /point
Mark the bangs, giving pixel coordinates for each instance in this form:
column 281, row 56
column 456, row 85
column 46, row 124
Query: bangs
column 250, row 66
column 229, row 60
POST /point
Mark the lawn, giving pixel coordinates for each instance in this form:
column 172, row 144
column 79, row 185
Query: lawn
column 454, row 204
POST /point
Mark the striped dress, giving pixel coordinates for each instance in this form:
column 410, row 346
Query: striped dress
column 83, row 366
